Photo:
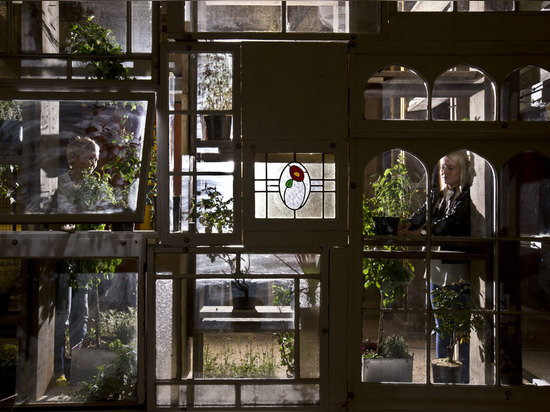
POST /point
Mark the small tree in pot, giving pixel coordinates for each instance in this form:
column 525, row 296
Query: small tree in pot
column 215, row 92
column 455, row 321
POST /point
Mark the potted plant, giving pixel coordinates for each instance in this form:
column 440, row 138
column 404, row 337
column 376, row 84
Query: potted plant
column 388, row 362
column 455, row 321
column 215, row 93
column 393, row 192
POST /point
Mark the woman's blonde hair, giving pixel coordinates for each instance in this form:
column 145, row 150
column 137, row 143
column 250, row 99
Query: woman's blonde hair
column 460, row 157
column 80, row 145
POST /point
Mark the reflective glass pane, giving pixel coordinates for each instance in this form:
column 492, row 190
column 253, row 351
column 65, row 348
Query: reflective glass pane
column 424, row 5
column 215, row 81
column 525, row 95
column 534, row 6
column 525, row 195
column 85, row 331
column 318, row 17
column 88, row 161
column 214, row 207
column 463, row 93
column 524, row 353
column 3, row 26
column 396, row 93
column 271, row 395
column 164, row 332
column 180, row 152
column 180, row 205
column 171, row 395
column 142, row 26
column 238, row 16
column 474, row 6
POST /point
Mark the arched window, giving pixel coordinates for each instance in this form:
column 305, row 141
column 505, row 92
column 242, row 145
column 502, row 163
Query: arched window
column 396, row 93
column 525, row 95
column 463, row 93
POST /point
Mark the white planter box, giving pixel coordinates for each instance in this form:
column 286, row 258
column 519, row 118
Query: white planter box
column 387, row 370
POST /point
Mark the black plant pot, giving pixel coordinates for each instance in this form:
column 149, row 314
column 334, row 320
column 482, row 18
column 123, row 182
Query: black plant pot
column 217, row 126
column 444, row 372
column 384, row 226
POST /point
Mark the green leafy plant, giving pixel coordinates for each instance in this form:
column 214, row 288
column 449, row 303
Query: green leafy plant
column 114, row 381
column 394, row 346
column 250, row 362
column 8, row 356
column 282, row 296
column 94, row 192
column 8, row 185
column 393, row 192
column 455, row 319
column 87, row 38
column 212, row 211
column 11, row 110
column 215, row 88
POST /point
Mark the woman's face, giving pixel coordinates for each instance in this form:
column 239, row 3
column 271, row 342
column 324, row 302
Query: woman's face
column 450, row 173
column 86, row 160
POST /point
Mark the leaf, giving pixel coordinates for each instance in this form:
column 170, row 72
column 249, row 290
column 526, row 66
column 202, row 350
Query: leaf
column 288, row 183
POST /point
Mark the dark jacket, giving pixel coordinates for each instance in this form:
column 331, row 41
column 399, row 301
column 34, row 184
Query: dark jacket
column 453, row 222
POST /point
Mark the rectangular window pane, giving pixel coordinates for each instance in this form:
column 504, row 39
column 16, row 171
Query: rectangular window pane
column 310, row 309
column 264, row 395
column 85, row 316
column 179, row 203
column 227, row 16
column 425, row 5
column 3, row 26
column 164, row 344
column 142, row 26
column 474, row 6
column 318, row 17
column 87, row 159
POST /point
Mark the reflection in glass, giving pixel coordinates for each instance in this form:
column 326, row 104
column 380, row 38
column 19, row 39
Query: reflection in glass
column 89, row 159
column 463, row 93
column 419, row 6
column 525, row 95
column 274, row 395
column 524, row 354
column 142, row 26
column 396, row 93
column 473, row 6
column 227, row 16
column 85, row 337
column 525, row 195
column 318, row 17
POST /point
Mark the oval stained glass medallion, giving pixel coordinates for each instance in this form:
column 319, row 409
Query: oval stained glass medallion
column 294, row 185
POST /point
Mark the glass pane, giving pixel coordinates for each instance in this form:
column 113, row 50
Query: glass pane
column 142, row 26
column 89, row 156
column 43, row 69
column 425, row 5
column 213, row 212
column 525, row 95
column 401, row 354
column 524, row 352
column 318, row 17
column 295, row 186
column 524, row 282
column 171, row 395
column 180, row 152
column 310, row 345
column 180, row 203
column 238, row 16
column 485, row 6
column 464, row 337
column 288, row 264
column 179, row 65
column 396, row 93
column 534, row 6
column 164, row 345
column 463, row 93
column 3, row 26
column 462, row 200
column 525, row 198
column 85, row 316
column 214, row 395
column 77, row 20
column 395, row 186
column 215, row 81
column 267, row 395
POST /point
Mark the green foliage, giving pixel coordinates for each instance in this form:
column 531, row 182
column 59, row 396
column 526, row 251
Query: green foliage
column 251, row 362
column 114, row 381
column 8, row 185
column 86, row 273
column 282, row 296
column 8, row 355
column 394, row 346
column 393, row 192
column 390, row 276
column 455, row 319
column 213, row 211
column 91, row 38
column 11, row 110
column 215, row 86
column 10, row 275
column 151, row 195
column 94, row 192
column 117, row 325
